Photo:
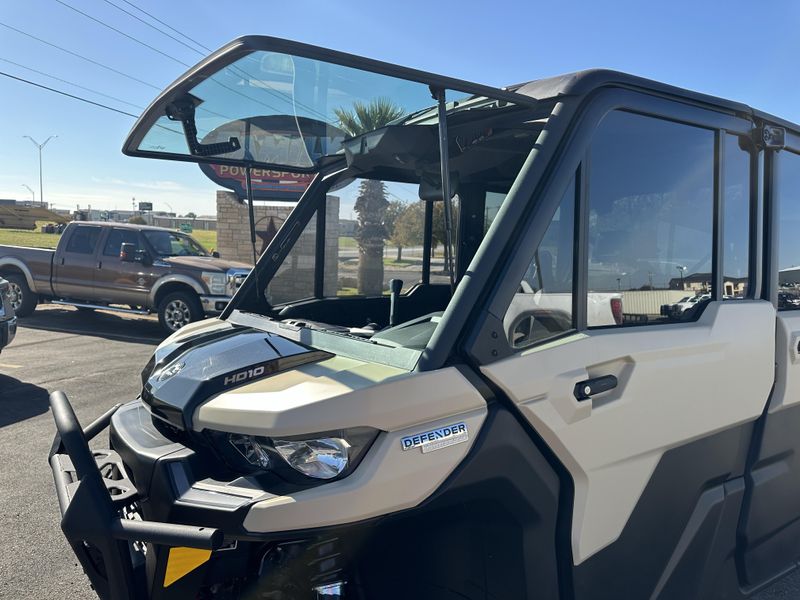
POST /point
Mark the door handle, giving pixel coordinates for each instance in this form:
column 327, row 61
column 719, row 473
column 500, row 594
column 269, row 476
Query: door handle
column 584, row 390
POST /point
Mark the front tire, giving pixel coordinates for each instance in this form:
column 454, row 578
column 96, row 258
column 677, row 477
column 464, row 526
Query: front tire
column 23, row 300
column 178, row 309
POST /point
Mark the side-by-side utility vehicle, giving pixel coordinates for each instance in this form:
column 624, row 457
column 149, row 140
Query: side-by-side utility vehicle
column 449, row 375
column 125, row 268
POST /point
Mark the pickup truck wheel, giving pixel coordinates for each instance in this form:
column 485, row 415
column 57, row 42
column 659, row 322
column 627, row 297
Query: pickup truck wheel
column 178, row 309
column 23, row 300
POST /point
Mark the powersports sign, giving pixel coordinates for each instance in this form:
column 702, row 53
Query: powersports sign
column 267, row 185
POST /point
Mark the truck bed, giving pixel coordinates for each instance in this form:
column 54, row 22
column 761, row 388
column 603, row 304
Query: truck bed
column 39, row 261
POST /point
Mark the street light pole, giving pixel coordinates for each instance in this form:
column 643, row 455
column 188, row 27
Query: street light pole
column 40, row 147
column 681, row 269
column 33, row 194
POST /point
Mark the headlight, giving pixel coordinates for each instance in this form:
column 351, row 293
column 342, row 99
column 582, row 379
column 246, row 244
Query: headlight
column 322, row 456
column 216, row 282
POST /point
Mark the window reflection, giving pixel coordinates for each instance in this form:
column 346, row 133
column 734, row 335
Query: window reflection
column 542, row 306
column 788, row 188
column 651, row 198
column 736, row 229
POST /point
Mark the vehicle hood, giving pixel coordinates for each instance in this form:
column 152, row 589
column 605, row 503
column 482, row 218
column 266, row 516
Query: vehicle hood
column 204, row 263
column 186, row 371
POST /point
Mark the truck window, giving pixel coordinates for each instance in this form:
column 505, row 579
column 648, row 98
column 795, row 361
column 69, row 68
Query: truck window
column 651, row 202
column 170, row 243
column 83, row 239
column 788, row 189
column 542, row 307
column 117, row 237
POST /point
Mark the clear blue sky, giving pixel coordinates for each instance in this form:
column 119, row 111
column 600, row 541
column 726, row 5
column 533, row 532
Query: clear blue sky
column 744, row 51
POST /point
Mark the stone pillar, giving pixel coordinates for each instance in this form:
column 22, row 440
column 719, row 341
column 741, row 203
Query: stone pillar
column 295, row 278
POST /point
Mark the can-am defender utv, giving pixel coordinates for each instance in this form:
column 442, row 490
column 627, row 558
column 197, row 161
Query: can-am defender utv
column 449, row 374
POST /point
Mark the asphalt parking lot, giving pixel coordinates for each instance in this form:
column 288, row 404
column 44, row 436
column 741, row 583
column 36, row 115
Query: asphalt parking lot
column 96, row 359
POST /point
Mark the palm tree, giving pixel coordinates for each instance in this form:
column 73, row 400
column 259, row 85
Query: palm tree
column 371, row 202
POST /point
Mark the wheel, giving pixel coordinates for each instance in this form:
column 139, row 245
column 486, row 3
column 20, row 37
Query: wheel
column 23, row 300
column 179, row 309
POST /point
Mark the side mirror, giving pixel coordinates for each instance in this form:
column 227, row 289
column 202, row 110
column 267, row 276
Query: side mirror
column 143, row 256
column 215, row 254
column 127, row 252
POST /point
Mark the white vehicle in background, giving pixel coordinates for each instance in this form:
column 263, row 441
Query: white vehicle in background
column 692, row 301
column 536, row 314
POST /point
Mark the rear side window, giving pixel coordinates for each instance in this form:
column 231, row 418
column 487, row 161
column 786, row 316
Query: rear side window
column 84, row 239
column 736, row 219
column 651, row 202
column 788, row 189
column 116, row 238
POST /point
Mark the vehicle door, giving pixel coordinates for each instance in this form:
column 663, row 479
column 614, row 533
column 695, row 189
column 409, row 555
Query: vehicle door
column 770, row 524
column 648, row 413
column 75, row 263
column 121, row 282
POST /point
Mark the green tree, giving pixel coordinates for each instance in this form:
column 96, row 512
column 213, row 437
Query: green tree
column 190, row 215
column 409, row 228
column 137, row 220
column 393, row 212
column 371, row 203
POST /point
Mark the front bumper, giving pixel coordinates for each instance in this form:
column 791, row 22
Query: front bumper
column 214, row 305
column 8, row 329
column 146, row 519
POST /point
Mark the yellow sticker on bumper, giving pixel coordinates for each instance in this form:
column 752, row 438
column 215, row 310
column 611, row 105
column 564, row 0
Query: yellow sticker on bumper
column 182, row 561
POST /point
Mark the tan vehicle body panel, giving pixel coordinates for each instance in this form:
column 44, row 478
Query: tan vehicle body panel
column 342, row 393
column 612, row 445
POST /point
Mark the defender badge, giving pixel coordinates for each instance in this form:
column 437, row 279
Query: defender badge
column 436, row 439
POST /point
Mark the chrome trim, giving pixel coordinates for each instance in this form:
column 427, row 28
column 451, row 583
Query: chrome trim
column 209, row 303
column 129, row 311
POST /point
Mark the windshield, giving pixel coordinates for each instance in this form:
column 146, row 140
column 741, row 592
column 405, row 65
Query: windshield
column 170, row 243
column 376, row 245
column 287, row 111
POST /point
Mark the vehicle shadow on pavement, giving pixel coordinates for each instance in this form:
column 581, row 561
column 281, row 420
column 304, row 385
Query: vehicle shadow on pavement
column 20, row 400
column 125, row 328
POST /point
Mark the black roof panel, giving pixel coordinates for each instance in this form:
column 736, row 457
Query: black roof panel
column 581, row 83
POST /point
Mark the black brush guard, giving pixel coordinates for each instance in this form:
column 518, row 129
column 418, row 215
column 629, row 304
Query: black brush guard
column 92, row 490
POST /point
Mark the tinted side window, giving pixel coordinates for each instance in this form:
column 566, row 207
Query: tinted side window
column 116, row 238
column 651, row 199
column 788, row 188
column 542, row 306
column 736, row 228
column 83, row 239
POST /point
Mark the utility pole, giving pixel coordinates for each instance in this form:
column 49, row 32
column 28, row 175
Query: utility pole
column 40, row 147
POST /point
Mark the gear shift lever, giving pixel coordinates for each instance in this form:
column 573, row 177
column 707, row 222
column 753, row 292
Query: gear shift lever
column 395, row 285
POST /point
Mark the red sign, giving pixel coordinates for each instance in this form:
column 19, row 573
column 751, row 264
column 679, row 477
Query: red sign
column 267, row 184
